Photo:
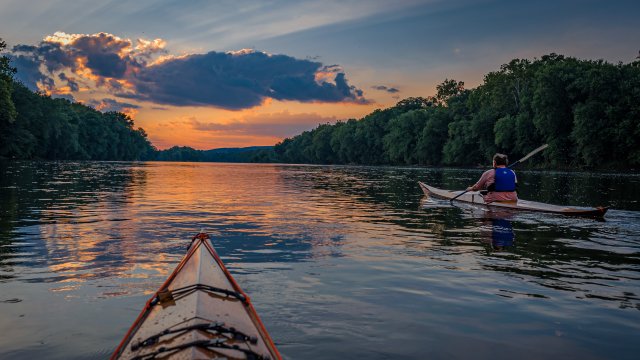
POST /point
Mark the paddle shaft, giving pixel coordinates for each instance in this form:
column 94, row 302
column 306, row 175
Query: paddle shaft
column 537, row 150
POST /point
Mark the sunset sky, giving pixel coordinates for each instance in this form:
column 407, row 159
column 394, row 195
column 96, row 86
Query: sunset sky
column 210, row 74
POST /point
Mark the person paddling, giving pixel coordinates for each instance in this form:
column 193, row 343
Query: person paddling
column 500, row 182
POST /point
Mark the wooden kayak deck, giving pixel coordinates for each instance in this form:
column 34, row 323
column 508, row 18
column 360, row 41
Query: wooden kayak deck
column 474, row 197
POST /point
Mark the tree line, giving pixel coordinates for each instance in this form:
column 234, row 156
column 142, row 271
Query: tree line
column 587, row 111
column 240, row 155
column 36, row 126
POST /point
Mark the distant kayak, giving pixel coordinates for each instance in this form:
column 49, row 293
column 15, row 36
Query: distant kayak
column 199, row 313
column 475, row 197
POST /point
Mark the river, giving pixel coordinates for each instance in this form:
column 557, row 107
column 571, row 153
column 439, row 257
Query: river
column 341, row 262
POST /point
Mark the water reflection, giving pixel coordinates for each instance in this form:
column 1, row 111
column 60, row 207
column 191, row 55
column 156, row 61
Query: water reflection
column 502, row 235
column 563, row 254
column 325, row 253
column 496, row 227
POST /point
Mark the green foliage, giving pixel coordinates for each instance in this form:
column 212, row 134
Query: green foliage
column 588, row 112
column 447, row 90
column 402, row 138
column 412, row 103
column 321, row 145
column 35, row 126
column 433, row 137
column 242, row 155
column 7, row 109
column 6, row 71
column 179, row 153
column 47, row 128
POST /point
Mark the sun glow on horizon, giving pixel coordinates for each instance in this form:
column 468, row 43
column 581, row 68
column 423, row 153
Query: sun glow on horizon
column 205, row 128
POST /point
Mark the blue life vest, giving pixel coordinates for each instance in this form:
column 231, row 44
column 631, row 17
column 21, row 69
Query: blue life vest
column 505, row 180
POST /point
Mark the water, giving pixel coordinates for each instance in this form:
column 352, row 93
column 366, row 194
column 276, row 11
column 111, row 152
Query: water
column 340, row 262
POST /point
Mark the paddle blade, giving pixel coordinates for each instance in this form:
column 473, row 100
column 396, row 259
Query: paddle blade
column 537, row 150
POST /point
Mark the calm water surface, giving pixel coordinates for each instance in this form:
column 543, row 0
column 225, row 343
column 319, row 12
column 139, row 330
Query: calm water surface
column 340, row 262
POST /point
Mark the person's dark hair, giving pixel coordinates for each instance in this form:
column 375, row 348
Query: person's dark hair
column 500, row 159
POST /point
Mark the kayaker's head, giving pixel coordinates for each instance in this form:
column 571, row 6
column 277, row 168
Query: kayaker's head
column 500, row 160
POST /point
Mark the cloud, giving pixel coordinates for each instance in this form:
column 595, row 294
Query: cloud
column 107, row 104
column 390, row 90
column 73, row 85
column 76, row 59
column 144, row 71
column 29, row 71
column 279, row 125
column 237, row 80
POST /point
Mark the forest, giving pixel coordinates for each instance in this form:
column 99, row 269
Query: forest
column 587, row 111
column 238, row 155
column 36, row 126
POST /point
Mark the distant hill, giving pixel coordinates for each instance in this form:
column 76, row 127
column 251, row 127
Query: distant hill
column 235, row 150
column 244, row 154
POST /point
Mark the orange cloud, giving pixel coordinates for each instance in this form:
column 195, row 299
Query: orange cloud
column 235, row 98
column 231, row 80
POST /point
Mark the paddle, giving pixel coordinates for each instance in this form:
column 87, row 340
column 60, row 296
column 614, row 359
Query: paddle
column 537, row 150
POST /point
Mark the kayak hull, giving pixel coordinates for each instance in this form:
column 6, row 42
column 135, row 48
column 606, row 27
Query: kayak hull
column 474, row 197
column 200, row 312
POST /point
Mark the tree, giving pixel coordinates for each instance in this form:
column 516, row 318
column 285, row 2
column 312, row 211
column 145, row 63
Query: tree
column 433, row 137
column 412, row 103
column 321, row 145
column 400, row 143
column 446, row 90
column 7, row 108
column 6, row 70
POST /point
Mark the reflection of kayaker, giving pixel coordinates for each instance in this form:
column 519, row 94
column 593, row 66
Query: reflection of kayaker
column 502, row 235
column 500, row 182
column 497, row 230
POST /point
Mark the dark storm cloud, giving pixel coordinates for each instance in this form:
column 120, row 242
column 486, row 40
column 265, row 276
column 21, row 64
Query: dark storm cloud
column 29, row 72
column 238, row 81
column 390, row 90
column 233, row 80
column 104, row 54
column 51, row 55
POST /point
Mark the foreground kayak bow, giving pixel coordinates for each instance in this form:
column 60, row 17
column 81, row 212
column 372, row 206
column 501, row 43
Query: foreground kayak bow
column 200, row 312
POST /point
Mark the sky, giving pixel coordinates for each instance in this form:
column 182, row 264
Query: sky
column 211, row 74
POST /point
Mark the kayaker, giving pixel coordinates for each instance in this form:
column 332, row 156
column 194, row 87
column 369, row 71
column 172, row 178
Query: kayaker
column 500, row 182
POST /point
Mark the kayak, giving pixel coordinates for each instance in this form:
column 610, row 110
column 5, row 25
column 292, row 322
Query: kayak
column 199, row 313
column 475, row 197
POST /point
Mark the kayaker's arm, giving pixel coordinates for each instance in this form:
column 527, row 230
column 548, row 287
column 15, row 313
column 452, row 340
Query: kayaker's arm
column 482, row 182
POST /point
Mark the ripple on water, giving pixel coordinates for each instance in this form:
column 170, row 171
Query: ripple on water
column 340, row 258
